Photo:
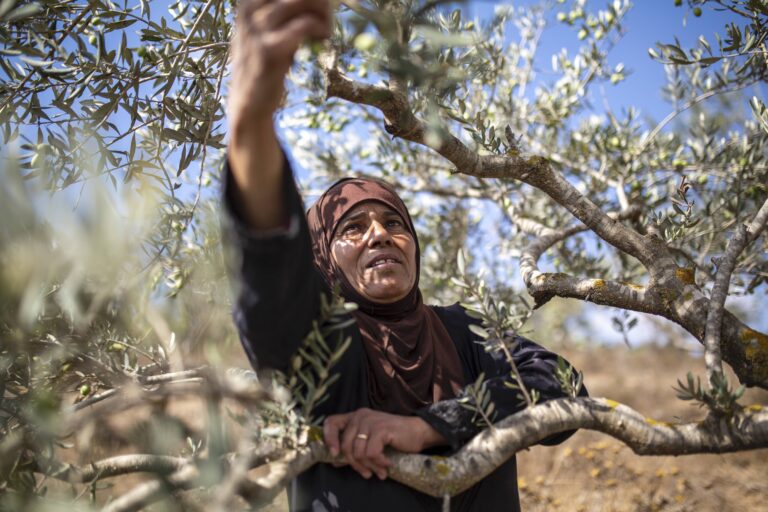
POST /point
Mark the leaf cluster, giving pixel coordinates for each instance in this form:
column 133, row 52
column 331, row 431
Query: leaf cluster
column 498, row 323
column 310, row 375
column 570, row 381
column 719, row 398
column 477, row 398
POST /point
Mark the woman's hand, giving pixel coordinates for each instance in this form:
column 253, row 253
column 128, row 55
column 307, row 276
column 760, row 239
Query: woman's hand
column 268, row 34
column 362, row 435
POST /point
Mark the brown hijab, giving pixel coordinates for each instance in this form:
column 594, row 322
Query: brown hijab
column 412, row 360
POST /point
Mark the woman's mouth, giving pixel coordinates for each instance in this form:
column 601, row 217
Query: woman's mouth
column 383, row 262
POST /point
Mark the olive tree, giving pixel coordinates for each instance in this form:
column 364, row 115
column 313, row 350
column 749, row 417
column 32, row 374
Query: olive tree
column 116, row 110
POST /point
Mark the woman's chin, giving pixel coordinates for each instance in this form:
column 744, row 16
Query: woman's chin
column 385, row 294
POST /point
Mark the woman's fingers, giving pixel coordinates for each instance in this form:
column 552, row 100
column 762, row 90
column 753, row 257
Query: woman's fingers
column 367, row 435
column 268, row 34
column 279, row 12
column 281, row 44
column 374, row 456
column 332, row 427
column 363, row 435
column 348, row 440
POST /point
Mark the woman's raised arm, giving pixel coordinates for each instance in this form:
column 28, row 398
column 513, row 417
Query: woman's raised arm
column 268, row 33
column 278, row 289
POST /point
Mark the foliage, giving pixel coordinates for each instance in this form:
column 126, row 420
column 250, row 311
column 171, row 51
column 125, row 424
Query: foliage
column 476, row 398
column 720, row 398
column 310, row 374
column 570, row 380
column 111, row 273
column 498, row 325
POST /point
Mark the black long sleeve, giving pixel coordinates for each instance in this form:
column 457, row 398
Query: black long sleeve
column 279, row 289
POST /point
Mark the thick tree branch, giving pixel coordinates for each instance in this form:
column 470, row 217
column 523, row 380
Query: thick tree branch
column 745, row 234
column 672, row 293
column 535, row 171
column 182, row 376
column 150, row 492
column 257, row 491
column 399, row 119
column 543, row 286
column 643, row 435
column 440, row 476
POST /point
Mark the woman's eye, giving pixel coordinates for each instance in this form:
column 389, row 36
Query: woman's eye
column 395, row 223
column 350, row 228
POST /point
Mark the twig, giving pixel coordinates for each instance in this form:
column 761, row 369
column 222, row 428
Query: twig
column 114, row 466
column 233, row 387
column 744, row 235
column 154, row 379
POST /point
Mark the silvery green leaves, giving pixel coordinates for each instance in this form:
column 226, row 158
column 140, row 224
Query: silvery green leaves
column 496, row 315
column 760, row 112
column 10, row 12
column 682, row 218
column 570, row 380
column 99, row 92
column 311, row 374
column 305, row 384
column 719, row 398
column 98, row 70
column 738, row 51
column 498, row 322
column 476, row 398
column 623, row 322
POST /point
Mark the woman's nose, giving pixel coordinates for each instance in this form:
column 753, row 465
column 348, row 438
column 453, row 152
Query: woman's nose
column 378, row 234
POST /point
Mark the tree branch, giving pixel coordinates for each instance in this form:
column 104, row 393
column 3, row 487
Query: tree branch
column 745, row 234
column 535, row 171
column 437, row 476
column 259, row 490
column 399, row 120
column 208, row 383
column 150, row 492
column 114, row 466
column 153, row 379
column 440, row 476
column 543, row 286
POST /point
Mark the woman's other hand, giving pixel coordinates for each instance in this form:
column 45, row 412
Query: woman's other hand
column 361, row 436
column 268, row 33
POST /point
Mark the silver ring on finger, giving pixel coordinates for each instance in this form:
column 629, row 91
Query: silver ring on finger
column 364, row 437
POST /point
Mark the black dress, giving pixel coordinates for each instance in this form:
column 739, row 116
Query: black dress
column 278, row 298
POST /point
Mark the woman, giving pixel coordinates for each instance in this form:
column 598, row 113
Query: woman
column 407, row 362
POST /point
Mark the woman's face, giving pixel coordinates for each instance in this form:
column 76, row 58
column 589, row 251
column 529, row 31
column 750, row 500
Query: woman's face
column 377, row 254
